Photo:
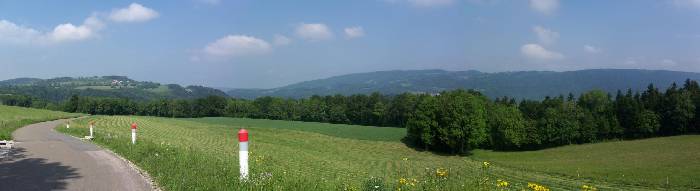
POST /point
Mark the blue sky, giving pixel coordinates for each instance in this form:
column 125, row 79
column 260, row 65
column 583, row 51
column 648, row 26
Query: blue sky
column 265, row 43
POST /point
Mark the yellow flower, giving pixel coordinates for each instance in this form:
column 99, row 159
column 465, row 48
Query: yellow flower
column 407, row 182
column 501, row 183
column 486, row 164
column 402, row 181
column 536, row 187
column 405, row 159
column 441, row 172
column 588, row 188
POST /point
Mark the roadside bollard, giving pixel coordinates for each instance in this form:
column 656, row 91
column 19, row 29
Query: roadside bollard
column 133, row 133
column 243, row 153
column 92, row 124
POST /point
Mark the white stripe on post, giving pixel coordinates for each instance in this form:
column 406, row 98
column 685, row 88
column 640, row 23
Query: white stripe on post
column 243, row 153
column 92, row 124
column 133, row 133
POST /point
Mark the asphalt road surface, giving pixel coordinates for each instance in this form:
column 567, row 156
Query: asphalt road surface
column 44, row 159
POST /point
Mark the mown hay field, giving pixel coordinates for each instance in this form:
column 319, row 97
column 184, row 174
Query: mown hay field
column 202, row 154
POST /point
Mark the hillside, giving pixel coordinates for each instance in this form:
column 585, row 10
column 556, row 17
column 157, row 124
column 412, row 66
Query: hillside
column 524, row 84
column 59, row 89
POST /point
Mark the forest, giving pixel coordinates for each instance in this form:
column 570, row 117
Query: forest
column 452, row 121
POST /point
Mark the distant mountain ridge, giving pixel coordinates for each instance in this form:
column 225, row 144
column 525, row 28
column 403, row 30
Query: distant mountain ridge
column 523, row 84
column 59, row 89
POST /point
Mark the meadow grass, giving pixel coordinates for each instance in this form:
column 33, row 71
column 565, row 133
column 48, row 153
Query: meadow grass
column 654, row 161
column 162, row 89
column 371, row 133
column 12, row 118
column 187, row 154
column 95, row 87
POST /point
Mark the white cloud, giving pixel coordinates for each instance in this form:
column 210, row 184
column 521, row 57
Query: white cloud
column 537, row 52
column 424, row 3
column 668, row 63
column 430, row 3
column 134, row 13
column 70, row 32
column 211, row 2
column 544, row 6
column 633, row 60
column 545, row 35
column 16, row 34
column 281, row 40
column 354, row 32
column 591, row 49
column 687, row 3
column 235, row 46
column 314, row 32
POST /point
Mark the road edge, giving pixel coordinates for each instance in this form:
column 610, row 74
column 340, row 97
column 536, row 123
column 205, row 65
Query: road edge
column 141, row 172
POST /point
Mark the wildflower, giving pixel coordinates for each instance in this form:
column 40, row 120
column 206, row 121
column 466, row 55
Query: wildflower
column 486, row 164
column 501, row 183
column 588, row 188
column 536, row 187
column 405, row 159
column 441, row 172
column 403, row 181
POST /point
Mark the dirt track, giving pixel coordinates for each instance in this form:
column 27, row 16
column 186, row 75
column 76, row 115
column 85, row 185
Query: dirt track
column 44, row 159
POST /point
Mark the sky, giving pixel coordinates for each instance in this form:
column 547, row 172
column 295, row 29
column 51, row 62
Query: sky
column 266, row 43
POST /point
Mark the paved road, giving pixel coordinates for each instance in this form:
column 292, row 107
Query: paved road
column 44, row 159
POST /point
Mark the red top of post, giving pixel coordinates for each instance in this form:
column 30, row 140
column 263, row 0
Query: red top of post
column 133, row 126
column 242, row 135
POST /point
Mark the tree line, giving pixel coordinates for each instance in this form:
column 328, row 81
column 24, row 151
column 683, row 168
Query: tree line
column 451, row 121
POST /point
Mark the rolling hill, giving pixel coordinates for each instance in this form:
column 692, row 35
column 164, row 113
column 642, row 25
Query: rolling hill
column 524, row 84
column 59, row 89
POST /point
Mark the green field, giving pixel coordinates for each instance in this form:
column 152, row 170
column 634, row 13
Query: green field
column 95, row 87
column 651, row 161
column 12, row 118
column 370, row 133
column 201, row 154
column 162, row 89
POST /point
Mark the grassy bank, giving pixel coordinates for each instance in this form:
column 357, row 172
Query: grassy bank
column 12, row 118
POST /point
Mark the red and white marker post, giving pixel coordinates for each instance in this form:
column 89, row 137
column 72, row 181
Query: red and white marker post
column 133, row 133
column 243, row 153
column 92, row 124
